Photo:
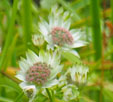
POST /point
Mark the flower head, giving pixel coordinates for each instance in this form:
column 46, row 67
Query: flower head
column 78, row 73
column 39, row 71
column 61, row 36
column 70, row 92
column 57, row 32
column 38, row 40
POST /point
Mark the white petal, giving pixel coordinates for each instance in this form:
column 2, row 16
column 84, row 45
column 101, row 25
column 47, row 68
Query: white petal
column 73, row 31
column 67, row 24
column 65, row 14
column 59, row 11
column 51, row 22
column 21, row 77
column 78, row 44
column 23, row 85
column 75, row 53
column 71, row 51
column 72, row 71
column 50, row 83
column 57, row 69
column 50, row 47
column 24, row 64
column 76, row 36
column 43, row 29
column 32, row 57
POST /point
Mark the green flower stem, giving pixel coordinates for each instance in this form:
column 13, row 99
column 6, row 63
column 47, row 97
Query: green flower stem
column 112, row 23
column 19, row 97
column 9, row 35
column 49, row 94
column 97, row 36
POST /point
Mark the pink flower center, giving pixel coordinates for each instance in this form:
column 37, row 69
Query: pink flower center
column 38, row 73
column 61, row 36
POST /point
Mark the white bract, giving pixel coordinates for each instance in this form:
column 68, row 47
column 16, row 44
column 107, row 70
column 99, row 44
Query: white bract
column 78, row 73
column 37, row 40
column 70, row 92
column 57, row 32
column 39, row 71
column 30, row 91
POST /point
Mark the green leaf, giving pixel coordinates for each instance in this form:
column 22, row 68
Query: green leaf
column 5, row 82
column 71, row 57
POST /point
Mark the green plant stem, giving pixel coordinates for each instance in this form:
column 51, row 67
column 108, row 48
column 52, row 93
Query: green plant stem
column 19, row 97
column 27, row 22
column 10, row 53
column 9, row 35
column 49, row 94
column 112, row 24
column 95, row 21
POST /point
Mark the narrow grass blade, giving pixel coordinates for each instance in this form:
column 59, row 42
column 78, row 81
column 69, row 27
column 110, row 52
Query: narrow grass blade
column 27, row 21
column 97, row 36
column 9, row 35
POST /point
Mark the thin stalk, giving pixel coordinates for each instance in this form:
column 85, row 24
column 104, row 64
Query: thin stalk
column 103, row 48
column 97, row 36
column 9, row 35
column 112, row 23
column 49, row 94
column 27, row 22
column 10, row 53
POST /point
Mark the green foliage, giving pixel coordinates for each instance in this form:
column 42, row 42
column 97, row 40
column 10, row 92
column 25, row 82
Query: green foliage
column 19, row 20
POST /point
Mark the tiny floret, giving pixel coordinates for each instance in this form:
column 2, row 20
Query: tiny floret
column 61, row 36
column 38, row 73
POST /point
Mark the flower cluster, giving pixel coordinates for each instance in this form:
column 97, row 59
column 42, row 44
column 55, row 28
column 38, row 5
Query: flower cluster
column 44, row 71
column 61, row 36
column 38, row 73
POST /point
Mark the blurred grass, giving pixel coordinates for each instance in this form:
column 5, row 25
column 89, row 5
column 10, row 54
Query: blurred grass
column 112, row 23
column 27, row 22
column 9, row 34
column 95, row 23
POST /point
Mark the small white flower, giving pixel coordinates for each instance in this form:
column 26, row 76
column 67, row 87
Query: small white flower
column 79, row 73
column 70, row 92
column 30, row 90
column 39, row 71
column 38, row 40
column 57, row 31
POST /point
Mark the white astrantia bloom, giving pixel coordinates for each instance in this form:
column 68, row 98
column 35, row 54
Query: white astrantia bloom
column 70, row 92
column 78, row 73
column 39, row 70
column 37, row 39
column 57, row 32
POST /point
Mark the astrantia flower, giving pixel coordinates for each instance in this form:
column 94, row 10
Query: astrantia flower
column 78, row 73
column 57, row 32
column 39, row 71
column 38, row 40
column 70, row 92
